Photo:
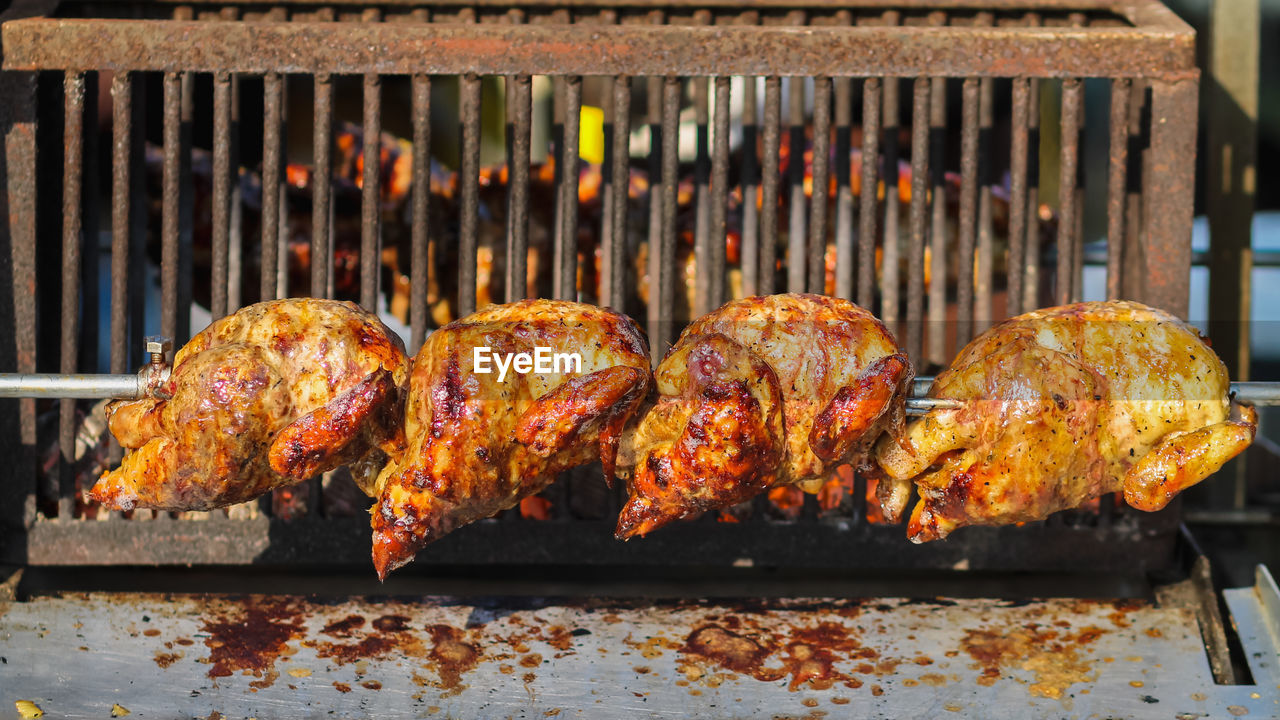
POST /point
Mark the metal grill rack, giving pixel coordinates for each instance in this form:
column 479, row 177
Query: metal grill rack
column 863, row 77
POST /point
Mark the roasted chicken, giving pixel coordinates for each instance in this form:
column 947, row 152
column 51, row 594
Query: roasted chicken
column 1061, row 406
column 479, row 441
column 764, row 392
column 269, row 396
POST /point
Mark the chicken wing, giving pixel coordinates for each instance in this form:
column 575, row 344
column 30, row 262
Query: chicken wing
column 765, row 391
column 1060, row 406
column 269, row 396
column 480, row 441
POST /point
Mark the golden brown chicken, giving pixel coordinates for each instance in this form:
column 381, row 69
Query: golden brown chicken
column 481, row 438
column 1060, row 406
column 763, row 392
column 269, row 396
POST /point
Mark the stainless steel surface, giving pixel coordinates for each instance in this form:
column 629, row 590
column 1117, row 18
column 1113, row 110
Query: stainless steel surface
column 266, row 656
column 1255, row 615
column 1252, row 393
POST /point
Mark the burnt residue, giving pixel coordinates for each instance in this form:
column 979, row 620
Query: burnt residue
column 250, row 637
column 1052, row 654
column 345, row 627
column 806, row 655
column 453, row 656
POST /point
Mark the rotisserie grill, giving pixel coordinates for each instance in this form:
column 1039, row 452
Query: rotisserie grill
column 761, row 228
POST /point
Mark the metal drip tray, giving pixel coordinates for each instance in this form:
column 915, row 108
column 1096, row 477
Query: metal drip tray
column 278, row 656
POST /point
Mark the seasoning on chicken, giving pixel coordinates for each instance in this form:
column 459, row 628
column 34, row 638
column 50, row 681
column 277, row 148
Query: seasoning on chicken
column 269, row 396
column 1061, row 406
column 764, row 392
column 479, row 442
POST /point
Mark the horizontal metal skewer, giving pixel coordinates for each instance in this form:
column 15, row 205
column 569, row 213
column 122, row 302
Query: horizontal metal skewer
column 134, row 386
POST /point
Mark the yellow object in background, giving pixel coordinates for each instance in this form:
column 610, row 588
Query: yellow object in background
column 591, row 135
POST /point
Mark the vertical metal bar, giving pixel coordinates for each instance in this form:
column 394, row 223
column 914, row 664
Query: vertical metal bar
column 1070, row 135
column 90, row 304
column 138, row 221
column 121, row 183
column 919, row 212
column 271, row 154
column 844, row 189
column 986, row 242
column 891, row 274
column 566, row 248
column 1232, row 132
column 1169, row 195
column 1031, row 288
column 557, row 182
column 371, row 197
column 186, row 208
column 968, row 209
column 235, row 230
column 796, row 235
column 321, row 182
column 518, row 203
column 420, row 233
column 870, row 161
column 469, row 187
column 937, row 306
column 621, row 181
column 608, row 248
column 670, row 182
column 769, row 185
column 169, row 205
column 1017, row 194
column 750, row 250
column 17, row 310
column 222, row 179
column 73, row 153
column 653, row 317
column 719, row 195
column 821, row 158
column 1116, row 183
column 702, row 239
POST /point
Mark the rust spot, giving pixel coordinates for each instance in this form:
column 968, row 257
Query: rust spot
column 876, row 690
column 839, row 701
column 164, row 660
column 529, row 677
column 640, row 670
column 1056, row 664
column 251, row 638
column 151, row 632
column 933, row 679
column 391, row 624
column 1154, row 632
column 728, row 648
column 810, row 702
column 185, row 641
column 341, row 687
column 531, row 660
column 371, row 685
column 452, row 655
column 345, row 627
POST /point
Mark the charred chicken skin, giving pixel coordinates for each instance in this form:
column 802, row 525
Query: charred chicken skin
column 269, row 396
column 1061, row 406
column 479, row 442
column 765, row 391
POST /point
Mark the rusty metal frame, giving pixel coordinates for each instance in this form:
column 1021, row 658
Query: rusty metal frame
column 1141, row 46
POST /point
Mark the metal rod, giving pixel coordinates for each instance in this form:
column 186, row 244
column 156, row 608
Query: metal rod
column 419, row 267
column 796, row 234
column 719, row 194
column 271, row 154
column 518, row 199
column 750, row 248
column 132, row 387
column 566, row 245
column 89, row 387
column 1072, row 91
column 666, row 298
column 870, row 161
column 469, row 187
column 702, row 198
column 818, row 209
column 844, row 188
column 1116, row 184
column 984, row 267
column 1018, row 194
column 918, row 216
column 371, row 200
column 169, row 206
column 621, row 171
column 221, row 211
column 768, row 233
column 936, row 350
column 73, row 152
column 322, row 142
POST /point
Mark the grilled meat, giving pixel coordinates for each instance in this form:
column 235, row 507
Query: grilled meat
column 269, row 396
column 478, row 442
column 1061, row 406
column 764, row 392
